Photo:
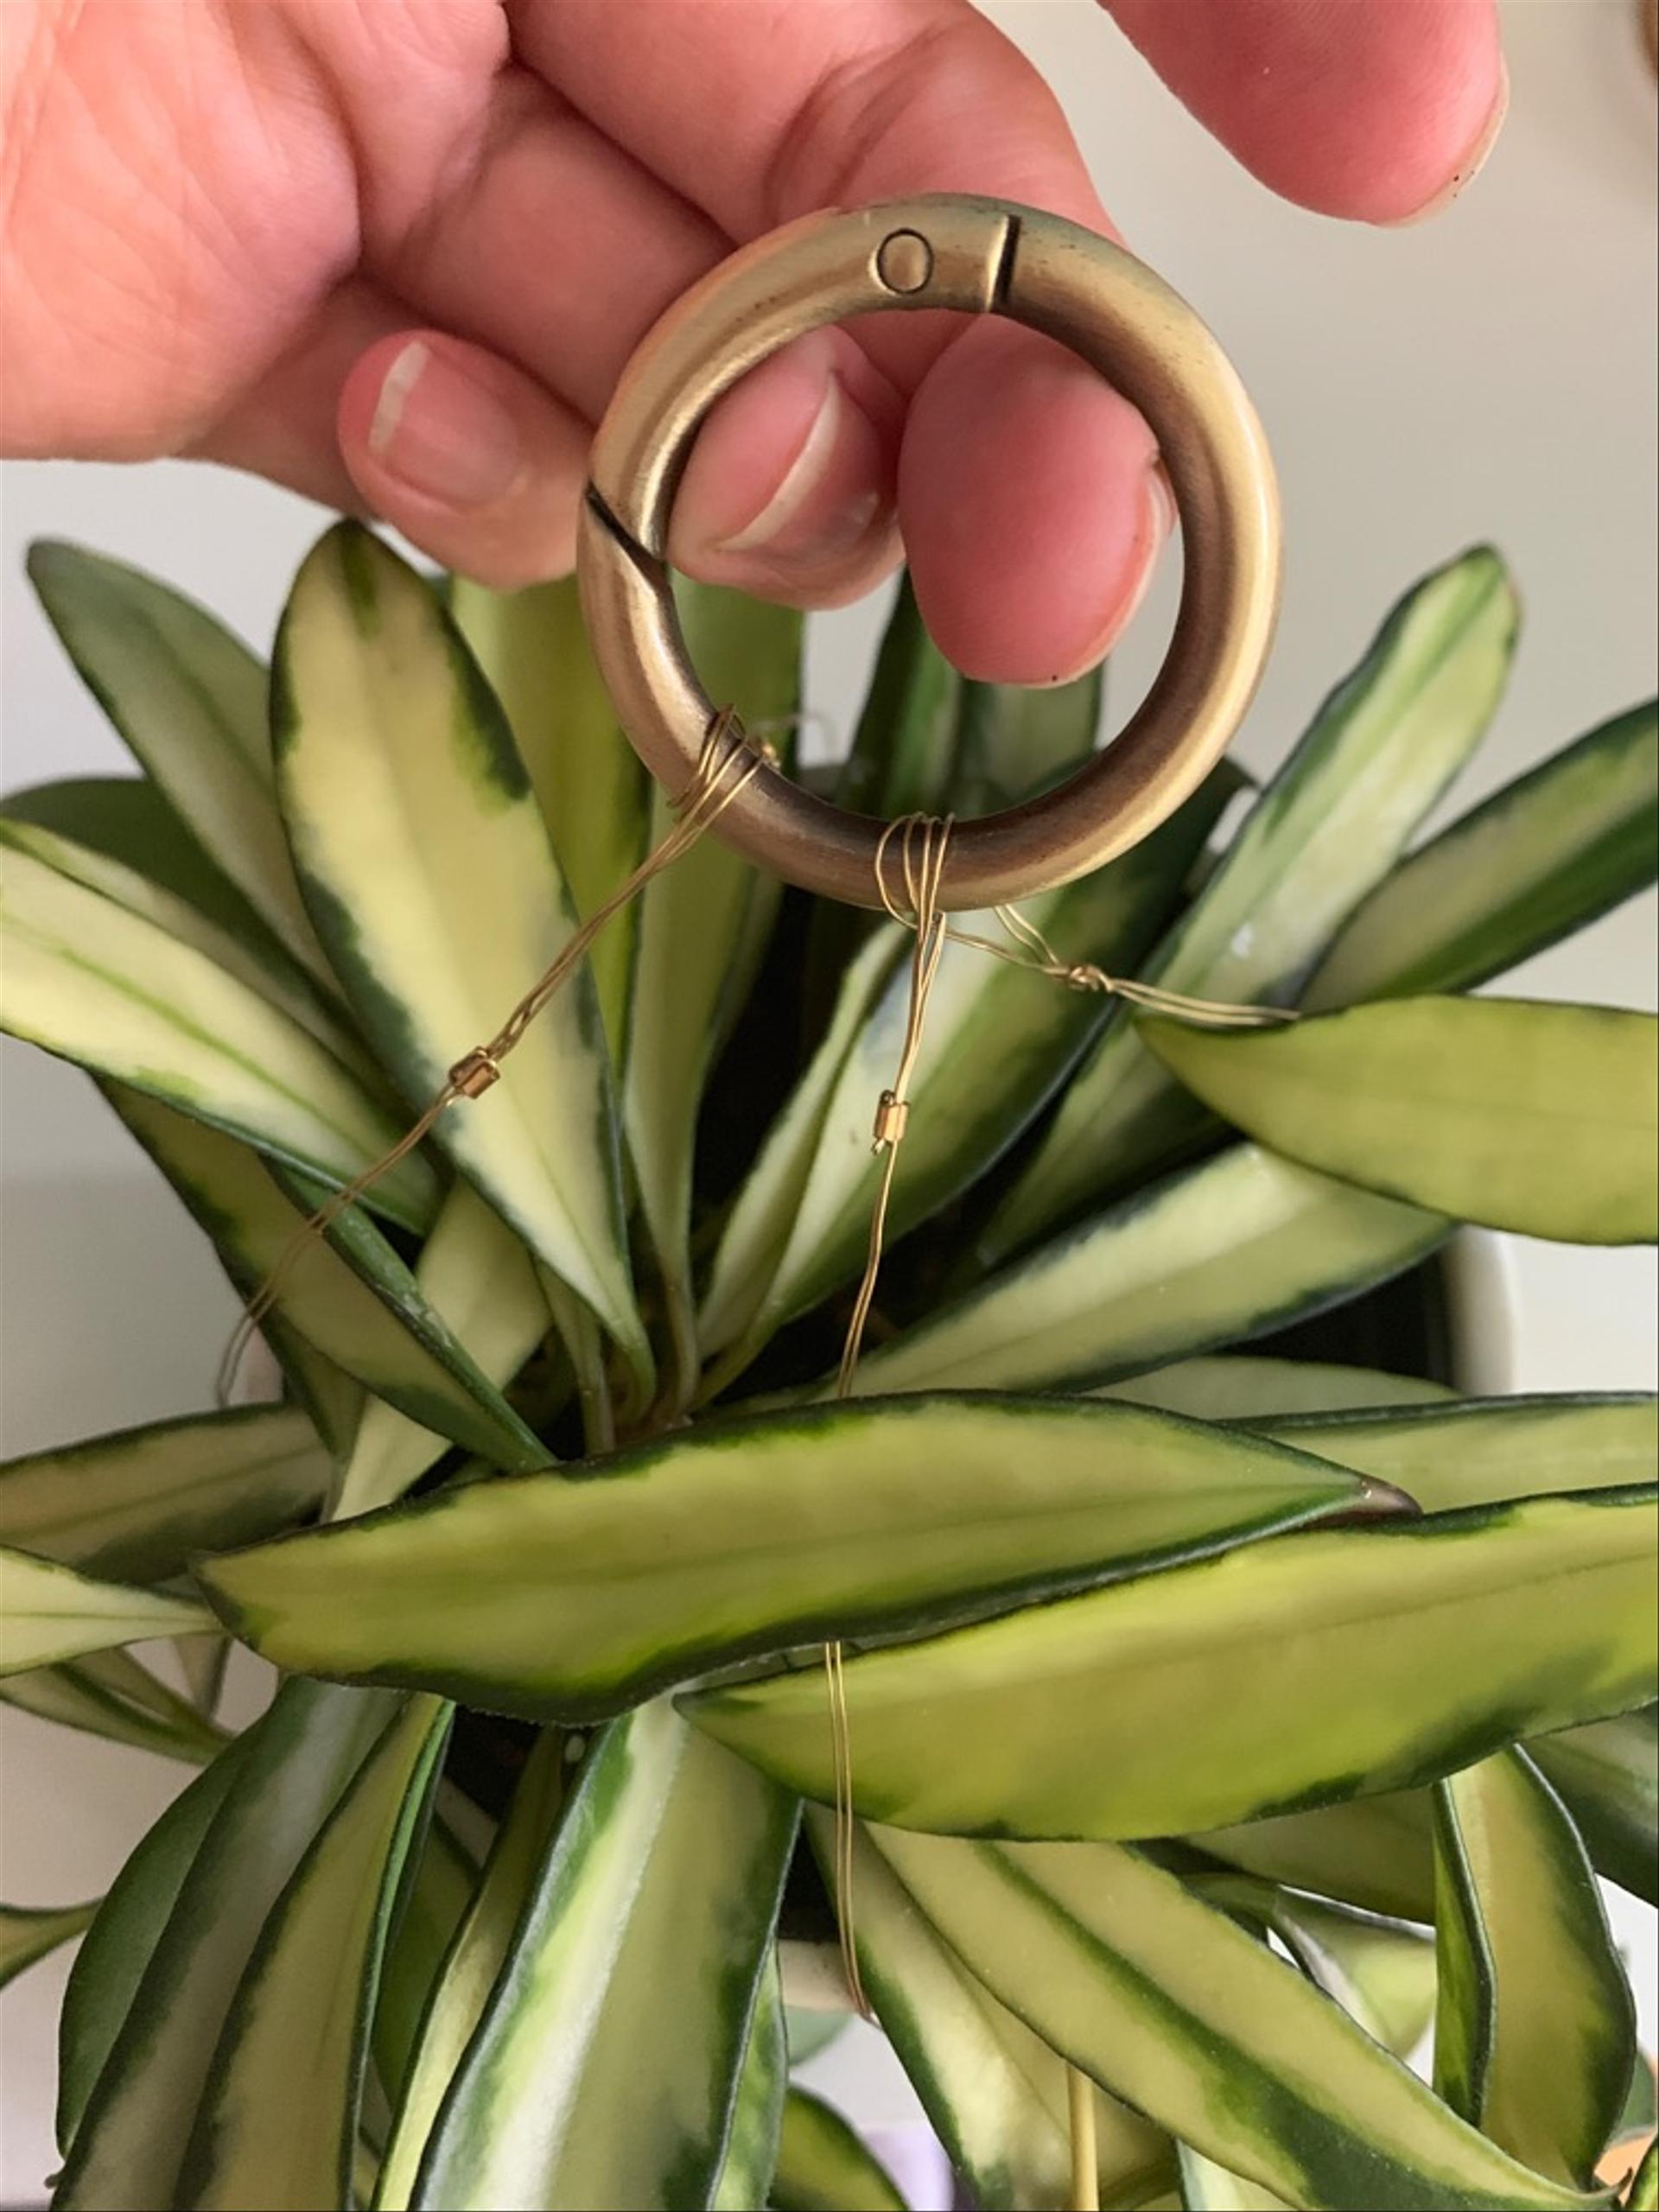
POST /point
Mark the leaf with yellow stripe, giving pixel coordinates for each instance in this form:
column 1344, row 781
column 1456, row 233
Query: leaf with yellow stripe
column 1519, row 1115
column 347, row 1291
column 29, row 1933
column 302, row 2012
column 97, row 983
column 1331, row 824
column 702, row 928
column 427, row 866
column 1321, row 1665
column 191, row 702
column 1535, row 2033
column 995, row 2092
column 49, row 1613
column 136, row 1505
column 665, row 1838
column 475, row 1272
column 587, row 1594
column 1175, row 2009
column 1217, row 1254
column 588, row 781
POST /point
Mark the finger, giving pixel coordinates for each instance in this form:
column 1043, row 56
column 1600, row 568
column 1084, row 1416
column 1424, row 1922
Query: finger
column 556, row 248
column 1377, row 110
column 759, row 112
column 818, row 529
column 791, row 490
column 1044, row 519
column 284, row 426
column 466, row 454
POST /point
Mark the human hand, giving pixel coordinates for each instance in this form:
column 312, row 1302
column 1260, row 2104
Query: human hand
column 395, row 252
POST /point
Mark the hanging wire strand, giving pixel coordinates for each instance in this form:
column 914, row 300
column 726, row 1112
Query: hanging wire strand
column 712, row 787
column 924, row 843
column 1086, row 2152
column 1032, row 951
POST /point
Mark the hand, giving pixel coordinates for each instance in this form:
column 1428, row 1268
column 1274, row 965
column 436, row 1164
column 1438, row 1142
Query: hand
column 395, row 252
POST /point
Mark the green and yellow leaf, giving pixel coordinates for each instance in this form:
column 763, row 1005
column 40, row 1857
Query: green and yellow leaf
column 424, row 859
column 584, row 1594
column 192, row 702
column 439, row 1885
column 127, row 819
column 108, row 1694
column 748, row 2171
column 1172, row 2007
column 1321, row 1665
column 302, row 2012
column 1381, row 1972
column 996, row 2094
column 474, row 1272
column 1516, row 1114
column 112, row 1961
column 1376, row 1853
column 1217, row 1254
column 257, row 962
column 998, row 1039
column 1608, row 1774
column 1331, row 824
column 347, row 1291
column 97, row 983
column 1535, row 2033
column 49, row 1613
column 137, row 1504
column 640, row 1958
column 472, row 1966
column 765, row 1216
column 702, row 928
column 1481, row 1451
column 1538, row 859
column 290, row 1770
column 588, row 781
column 1227, row 1387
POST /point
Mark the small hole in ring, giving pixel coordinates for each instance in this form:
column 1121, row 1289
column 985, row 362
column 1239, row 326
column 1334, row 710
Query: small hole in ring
column 903, row 260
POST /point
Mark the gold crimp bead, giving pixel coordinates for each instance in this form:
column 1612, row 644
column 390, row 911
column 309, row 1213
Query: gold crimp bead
column 891, row 1116
column 474, row 1075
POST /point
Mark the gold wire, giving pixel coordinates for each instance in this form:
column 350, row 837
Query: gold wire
column 924, row 844
column 1084, row 976
column 1085, row 2153
column 704, row 799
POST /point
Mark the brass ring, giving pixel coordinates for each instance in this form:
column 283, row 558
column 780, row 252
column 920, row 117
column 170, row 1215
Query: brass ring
column 980, row 257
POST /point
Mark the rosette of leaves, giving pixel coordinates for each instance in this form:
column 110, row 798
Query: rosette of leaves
column 1232, row 1703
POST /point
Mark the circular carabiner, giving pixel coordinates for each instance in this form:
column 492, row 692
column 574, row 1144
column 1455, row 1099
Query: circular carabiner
column 979, row 256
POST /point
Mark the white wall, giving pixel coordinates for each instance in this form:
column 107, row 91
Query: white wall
column 1490, row 375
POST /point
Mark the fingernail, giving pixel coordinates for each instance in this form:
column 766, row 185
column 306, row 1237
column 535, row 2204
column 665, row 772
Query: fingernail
column 1471, row 166
column 443, row 433
column 1161, row 518
column 1164, row 518
column 797, row 526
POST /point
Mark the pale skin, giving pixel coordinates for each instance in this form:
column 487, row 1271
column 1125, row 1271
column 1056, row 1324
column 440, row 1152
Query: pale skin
column 395, row 252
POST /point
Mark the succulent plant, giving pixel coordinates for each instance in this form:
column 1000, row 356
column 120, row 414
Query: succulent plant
column 1231, row 1702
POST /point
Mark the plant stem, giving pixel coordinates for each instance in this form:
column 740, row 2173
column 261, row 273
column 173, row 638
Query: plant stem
column 586, row 1347
column 683, row 1364
column 736, row 1360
